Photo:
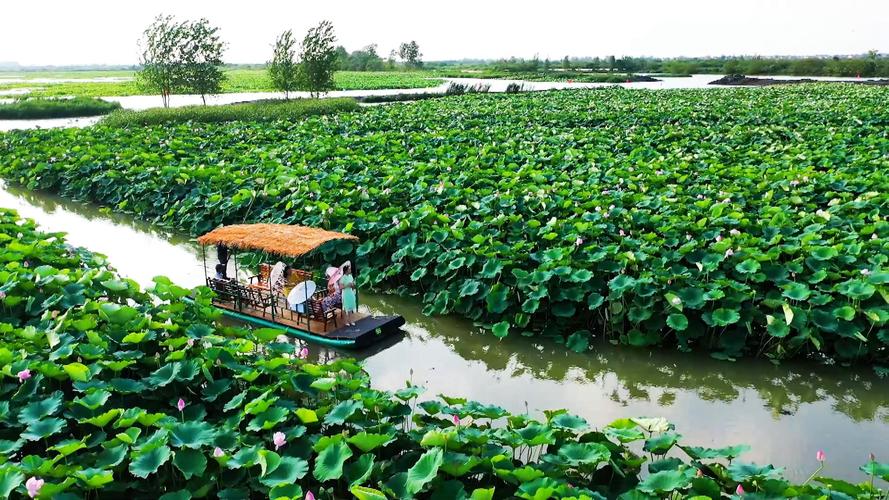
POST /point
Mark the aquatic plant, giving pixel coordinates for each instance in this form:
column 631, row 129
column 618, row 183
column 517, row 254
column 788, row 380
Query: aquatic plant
column 754, row 220
column 139, row 394
column 37, row 108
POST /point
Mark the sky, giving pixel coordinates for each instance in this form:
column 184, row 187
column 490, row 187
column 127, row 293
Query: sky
column 65, row 32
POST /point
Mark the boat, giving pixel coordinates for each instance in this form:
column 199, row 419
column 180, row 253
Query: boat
column 288, row 297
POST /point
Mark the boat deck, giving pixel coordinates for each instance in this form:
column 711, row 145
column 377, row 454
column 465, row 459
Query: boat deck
column 368, row 329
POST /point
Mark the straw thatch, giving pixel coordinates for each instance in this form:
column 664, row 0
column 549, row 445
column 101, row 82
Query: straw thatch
column 278, row 239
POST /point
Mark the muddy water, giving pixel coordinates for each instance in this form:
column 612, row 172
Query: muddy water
column 785, row 412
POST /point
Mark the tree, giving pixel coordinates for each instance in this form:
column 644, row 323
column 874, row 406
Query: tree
column 181, row 57
column 390, row 61
column 161, row 63
column 566, row 63
column 410, row 53
column 283, row 69
column 342, row 58
column 202, row 59
column 317, row 59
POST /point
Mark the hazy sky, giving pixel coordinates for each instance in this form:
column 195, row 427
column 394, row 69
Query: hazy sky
column 105, row 32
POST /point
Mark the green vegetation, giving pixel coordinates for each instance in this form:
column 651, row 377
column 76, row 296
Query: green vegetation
column 869, row 65
column 548, row 76
column 741, row 221
column 260, row 111
column 111, row 391
column 35, row 108
column 237, row 80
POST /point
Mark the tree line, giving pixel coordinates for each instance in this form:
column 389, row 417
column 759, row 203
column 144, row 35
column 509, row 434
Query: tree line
column 186, row 57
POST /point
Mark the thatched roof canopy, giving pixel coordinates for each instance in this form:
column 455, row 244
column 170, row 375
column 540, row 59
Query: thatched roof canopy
column 278, row 239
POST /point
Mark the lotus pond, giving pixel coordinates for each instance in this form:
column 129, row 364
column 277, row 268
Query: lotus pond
column 111, row 390
column 740, row 221
column 786, row 413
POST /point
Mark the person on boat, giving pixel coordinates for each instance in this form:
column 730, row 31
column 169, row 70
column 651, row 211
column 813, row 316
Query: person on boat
column 349, row 295
column 220, row 272
column 334, row 295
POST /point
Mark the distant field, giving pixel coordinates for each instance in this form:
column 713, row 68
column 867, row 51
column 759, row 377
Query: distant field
column 238, row 80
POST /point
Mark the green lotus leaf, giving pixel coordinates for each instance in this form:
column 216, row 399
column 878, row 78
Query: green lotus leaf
column 662, row 443
column 45, row 407
column 496, row 299
column 365, row 493
column 78, row 372
column 746, row 472
column 44, row 428
column 846, row 313
column 725, row 317
column 192, row 434
column 796, row 291
column 594, row 300
column 359, row 471
column 677, row 322
column 748, row 266
column 469, row 287
column 824, row 253
column 342, row 411
column 148, row 463
column 564, row 309
column 578, row 341
column 288, row 471
column 329, row 462
column 570, row 422
column 93, row 400
column 323, row 384
column 268, row 419
column 482, row 494
column 423, row 471
column 95, row 478
column 856, row 289
column 500, row 329
column 583, row 454
column 10, row 479
column 666, row 481
column 621, row 284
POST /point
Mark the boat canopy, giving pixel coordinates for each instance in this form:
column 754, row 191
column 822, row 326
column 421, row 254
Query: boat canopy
column 278, row 239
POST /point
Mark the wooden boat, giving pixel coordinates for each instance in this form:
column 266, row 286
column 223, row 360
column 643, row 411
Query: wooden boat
column 265, row 304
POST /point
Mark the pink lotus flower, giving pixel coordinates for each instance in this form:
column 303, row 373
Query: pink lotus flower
column 699, row 473
column 605, row 215
column 820, row 456
column 190, row 342
column 873, row 237
column 33, row 485
column 621, row 232
column 739, row 490
column 303, row 353
column 611, row 207
column 279, row 439
column 456, row 420
column 729, row 252
column 718, row 237
column 734, row 232
column 310, row 496
column 578, row 242
column 180, row 404
column 3, row 294
column 218, row 452
column 24, row 375
column 28, row 264
column 865, row 271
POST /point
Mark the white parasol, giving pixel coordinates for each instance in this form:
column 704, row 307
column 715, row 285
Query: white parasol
column 276, row 275
column 300, row 294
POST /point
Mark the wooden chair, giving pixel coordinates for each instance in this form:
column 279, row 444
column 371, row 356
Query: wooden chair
column 316, row 312
column 260, row 299
column 224, row 291
column 261, row 280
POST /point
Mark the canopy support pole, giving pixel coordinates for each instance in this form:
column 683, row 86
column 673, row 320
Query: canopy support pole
column 204, row 259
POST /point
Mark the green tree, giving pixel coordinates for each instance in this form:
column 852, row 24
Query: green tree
column 201, row 55
column 317, row 59
column 283, row 69
column 410, row 54
column 161, row 57
column 181, row 56
column 566, row 63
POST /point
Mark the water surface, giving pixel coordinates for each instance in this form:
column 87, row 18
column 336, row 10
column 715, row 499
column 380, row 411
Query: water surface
column 785, row 412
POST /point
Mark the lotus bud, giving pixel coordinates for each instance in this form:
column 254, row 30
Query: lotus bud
column 279, row 440
column 739, row 490
column 734, row 232
column 33, row 486
column 310, row 496
column 820, row 456
column 218, row 452
column 578, row 242
column 456, row 420
column 729, row 252
column 24, row 375
column 180, row 404
column 865, row 272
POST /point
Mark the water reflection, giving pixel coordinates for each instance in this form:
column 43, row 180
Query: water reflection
column 785, row 412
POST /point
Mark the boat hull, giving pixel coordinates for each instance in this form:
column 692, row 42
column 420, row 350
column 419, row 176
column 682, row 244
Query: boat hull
column 367, row 330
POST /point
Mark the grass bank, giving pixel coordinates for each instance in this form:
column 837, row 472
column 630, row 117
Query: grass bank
column 36, row 108
column 237, row 80
column 261, row 111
